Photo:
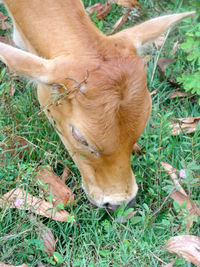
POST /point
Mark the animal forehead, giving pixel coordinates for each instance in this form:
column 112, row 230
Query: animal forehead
column 112, row 75
column 117, row 70
column 112, row 83
column 109, row 103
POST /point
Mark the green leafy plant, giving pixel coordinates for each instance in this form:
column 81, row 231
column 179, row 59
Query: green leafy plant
column 191, row 78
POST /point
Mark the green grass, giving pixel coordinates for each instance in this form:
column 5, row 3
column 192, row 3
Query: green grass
column 99, row 240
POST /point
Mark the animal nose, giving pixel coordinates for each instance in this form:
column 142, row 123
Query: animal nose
column 112, row 208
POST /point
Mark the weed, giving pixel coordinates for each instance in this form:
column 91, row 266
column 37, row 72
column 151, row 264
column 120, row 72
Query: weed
column 191, row 77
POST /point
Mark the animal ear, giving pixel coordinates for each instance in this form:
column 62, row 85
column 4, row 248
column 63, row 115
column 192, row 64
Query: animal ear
column 150, row 30
column 26, row 63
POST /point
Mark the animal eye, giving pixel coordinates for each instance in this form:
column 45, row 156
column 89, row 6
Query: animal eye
column 77, row 135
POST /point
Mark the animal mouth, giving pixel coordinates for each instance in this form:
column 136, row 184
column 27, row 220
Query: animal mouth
column 111, row 208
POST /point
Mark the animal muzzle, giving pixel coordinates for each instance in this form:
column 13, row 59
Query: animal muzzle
column 111, row 208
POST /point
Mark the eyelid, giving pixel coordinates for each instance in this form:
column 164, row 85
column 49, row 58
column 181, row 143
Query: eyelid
column 77, row 135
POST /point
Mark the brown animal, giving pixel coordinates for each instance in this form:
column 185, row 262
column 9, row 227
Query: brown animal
column 93, row 87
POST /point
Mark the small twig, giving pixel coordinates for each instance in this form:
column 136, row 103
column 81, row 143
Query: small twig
column 13, row 235
column 157, row 257
column 165, row 200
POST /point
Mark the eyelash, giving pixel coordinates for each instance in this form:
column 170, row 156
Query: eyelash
column 78, row 137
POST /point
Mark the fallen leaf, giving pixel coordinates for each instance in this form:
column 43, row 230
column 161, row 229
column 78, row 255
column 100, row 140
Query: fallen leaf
column 175, row 48
column 160, row 41
column 47, row 237
column 48, row 240
column 154, row 92
column 4, row 25
column 181, row 197
column 187, row 246
column 189, row 119
column 7, row 40
column 163, row 62
column 172, row 173
column 137, row 149
column 40, row 265
column 178, row 94
column 120, row 22
column 15, row 144
column 126, row 3
column 2, row 16
column 186, row 125
column 12, row 89
column 34, row 204
column 192, row 208
column 54, row 186
column 65, row 174
column 124, row 219
column 44, row 234
column 100, row 9
column 8, row 265
column 146, row 59
column 171, row 264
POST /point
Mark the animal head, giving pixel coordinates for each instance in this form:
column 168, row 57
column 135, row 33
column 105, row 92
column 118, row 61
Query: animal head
column 94, row 90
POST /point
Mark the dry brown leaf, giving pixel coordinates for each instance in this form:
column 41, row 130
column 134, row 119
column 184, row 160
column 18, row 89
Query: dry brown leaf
column 8, row 265
column 40, row 265
column 189, row 119
column 7, row 40
column 124, row 219
column 65, row 174
column 187, row 246
column 178, row 94
column 137, row 149
column 172, row 173
column 51, row 184
column 180, row 196
column 100, row 9
column 163, row 62
column 2, row 16
column 186, row 125
column 12, row 89
column 160, row 41
column 190, row 206
column 154, row 92
column 121, row 21
column 146, row 59
column 17, row 198
column 126, row 3
column 175, row 48
column 14, row 144
column 171, row 264
column 4, row 25
column 46, row 235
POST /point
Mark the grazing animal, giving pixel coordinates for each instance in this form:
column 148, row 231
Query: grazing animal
column 93, row 87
